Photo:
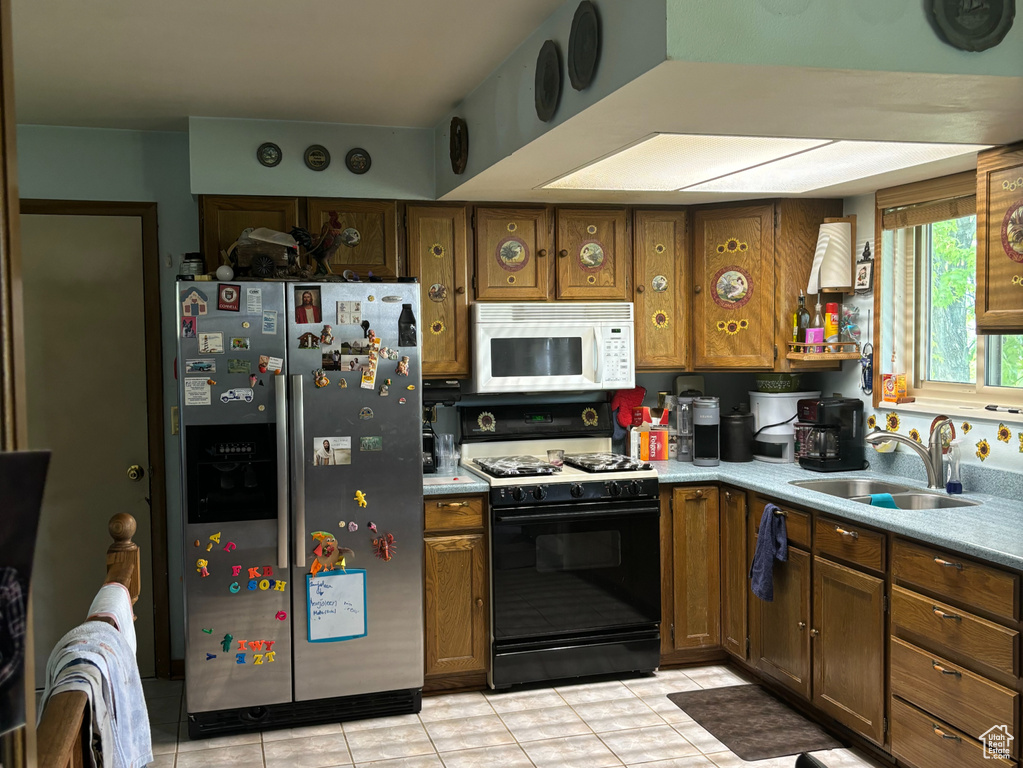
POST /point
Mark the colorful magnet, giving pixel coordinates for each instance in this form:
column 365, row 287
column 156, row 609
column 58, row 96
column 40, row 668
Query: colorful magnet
column 254, row 572
column 328, row 553
column 253, row 378
column 211, row 343
column 365, row 328
column 320, row 379
column 308, row 340
column 402, row 401
column 235, row 588
column 280, row 615
column 366, row 413
column 235, row 570
column 361, row 498
column 228, row 297
column 230, row 546
column 211, row 382
column 372, row 526
column 315, row 568
column 188, row 327
column 210, row 656
column 371, row 443
column 326, row 335
column 252, row 585
column 269, row 655
column 239, row 658
column 341, row 524
column 353, row 526
column 239, row 365
column 385, row 547
column 245, row 324
column 208, row 631
column 280, row 585
column 197, row 543
column 261, row 407
column 410, row 387
column 257, row 658
column 200, row 566
column 402, row 369
column 226, row 643
column 385, row 388
column 343, row 384
column 193, row 302
column 209, row 546
column 268, row 570
column 236, row 395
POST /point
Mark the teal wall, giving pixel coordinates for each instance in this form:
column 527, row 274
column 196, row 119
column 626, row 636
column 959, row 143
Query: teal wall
column 222, row 159
column 871, row 35
column 129, row 166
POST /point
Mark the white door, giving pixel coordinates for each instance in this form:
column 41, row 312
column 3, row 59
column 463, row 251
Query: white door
column 86, row 395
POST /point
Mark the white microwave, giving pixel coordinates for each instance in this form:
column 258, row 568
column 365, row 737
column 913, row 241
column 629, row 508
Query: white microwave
column 541, row 347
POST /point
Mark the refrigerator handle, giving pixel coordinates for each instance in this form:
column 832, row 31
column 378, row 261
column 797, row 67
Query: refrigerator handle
column 281, row 399
column 298, row 467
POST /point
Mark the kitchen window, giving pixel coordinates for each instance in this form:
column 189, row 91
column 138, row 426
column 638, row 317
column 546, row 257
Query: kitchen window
column 929, row 250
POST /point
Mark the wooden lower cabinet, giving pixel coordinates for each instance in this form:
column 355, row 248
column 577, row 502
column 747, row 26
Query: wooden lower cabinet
column 691, row 593
column 922, row 741
column 848, row 647
column 780, row 630
column 734, row 572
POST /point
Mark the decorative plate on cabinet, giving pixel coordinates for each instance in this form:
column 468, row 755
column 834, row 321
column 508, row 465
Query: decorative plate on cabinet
column 269, row 154
column 547, row 81
column 583, row 45
column 358, row 160
column 973, row 25
column 317, row 157
column 459, row 148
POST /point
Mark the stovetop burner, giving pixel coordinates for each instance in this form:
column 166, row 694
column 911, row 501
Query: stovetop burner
column 515, row 466
column 604, row 462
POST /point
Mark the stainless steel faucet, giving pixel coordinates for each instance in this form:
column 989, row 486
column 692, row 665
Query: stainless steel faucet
column 931, row 455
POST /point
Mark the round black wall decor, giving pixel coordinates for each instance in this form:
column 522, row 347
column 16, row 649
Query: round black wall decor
column 316, row 157
column 583, row 45
column 547, row 81
column 459, row 147
column 973, row 25
column 269, row 154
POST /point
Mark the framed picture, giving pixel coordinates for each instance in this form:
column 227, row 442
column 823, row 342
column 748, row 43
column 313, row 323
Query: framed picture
column 864, row 282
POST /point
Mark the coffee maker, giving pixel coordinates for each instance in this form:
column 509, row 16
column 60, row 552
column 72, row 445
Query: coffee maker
column 829, row 434
column 435, row 392
column 706, row 431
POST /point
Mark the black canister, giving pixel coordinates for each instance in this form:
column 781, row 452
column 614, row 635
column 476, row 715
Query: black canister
column 737, row 435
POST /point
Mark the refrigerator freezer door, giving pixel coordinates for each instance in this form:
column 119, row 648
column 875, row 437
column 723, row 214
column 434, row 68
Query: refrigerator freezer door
column 357, row 442
column 234, row 499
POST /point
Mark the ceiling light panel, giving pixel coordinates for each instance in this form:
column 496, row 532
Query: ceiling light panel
column 832, row 164
column 669, row 161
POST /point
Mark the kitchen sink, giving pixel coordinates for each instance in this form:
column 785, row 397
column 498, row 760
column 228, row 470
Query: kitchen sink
column 920, row 500
column 851, row 487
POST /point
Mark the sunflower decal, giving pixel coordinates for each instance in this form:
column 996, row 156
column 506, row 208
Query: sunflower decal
column 512, row 226
column 731, row 327
column 1004, row 433
column 733, row 245
column 983, row 450
column 891, row 422
column 966, row 427
column 437, row 327
column 590, row 417
column 660, row 318
column 659, row 248
column 743, row 325
column 914, row 435
column 437, row 250
column 591, row 280
column 511, row 279
column 871, row 421
column 591, row 230
column 487, row 422
column 721, row 325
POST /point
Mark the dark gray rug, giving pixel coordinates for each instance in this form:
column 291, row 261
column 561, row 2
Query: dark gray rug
column 752, row 723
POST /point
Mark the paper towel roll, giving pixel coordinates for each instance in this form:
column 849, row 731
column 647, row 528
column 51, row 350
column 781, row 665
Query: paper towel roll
column 832, row 259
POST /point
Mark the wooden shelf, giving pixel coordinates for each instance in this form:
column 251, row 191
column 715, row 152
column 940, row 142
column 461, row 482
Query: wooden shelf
column 836, row 350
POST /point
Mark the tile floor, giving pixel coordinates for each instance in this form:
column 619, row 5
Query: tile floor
column 598, row 725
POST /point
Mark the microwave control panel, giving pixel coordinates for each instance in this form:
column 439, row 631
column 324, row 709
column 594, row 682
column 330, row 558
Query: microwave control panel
column 617, row 357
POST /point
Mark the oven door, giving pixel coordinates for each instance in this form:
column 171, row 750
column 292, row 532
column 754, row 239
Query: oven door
column 575, row 570
column 532, row 358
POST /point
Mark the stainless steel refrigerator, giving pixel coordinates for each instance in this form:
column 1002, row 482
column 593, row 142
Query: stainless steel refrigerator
column 300, row 411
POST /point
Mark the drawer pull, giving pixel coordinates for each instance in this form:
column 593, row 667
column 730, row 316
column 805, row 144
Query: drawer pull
column 479, row 602
column 937, row 667
column 948, row 564
column 452, row 504
column 781, row 513
column 942, row 615
column 942, row 734
column 844, row 532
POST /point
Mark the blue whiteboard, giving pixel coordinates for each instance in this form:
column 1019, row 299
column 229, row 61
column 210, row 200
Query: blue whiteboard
column 336, row 605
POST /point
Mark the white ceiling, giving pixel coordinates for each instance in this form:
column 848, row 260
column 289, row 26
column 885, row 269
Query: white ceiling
column 149, row 64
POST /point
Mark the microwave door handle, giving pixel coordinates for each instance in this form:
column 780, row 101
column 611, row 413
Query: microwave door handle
column 281, row 400
column 298, row 467
column 598, row 358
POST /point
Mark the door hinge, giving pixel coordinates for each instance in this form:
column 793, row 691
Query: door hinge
column 747, row 647
column 884, row 603
column 405, row 224
column 777, row 216
column 673, row 634
column 472, row 221
column 884, row 725
column 775, row 351
column 474, row 281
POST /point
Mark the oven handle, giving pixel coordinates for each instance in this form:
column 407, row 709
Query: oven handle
column 561, row 517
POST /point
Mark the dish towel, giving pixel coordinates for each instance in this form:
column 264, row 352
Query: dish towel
column 772, row 544
column 113, row 601
column 882, row 500
column 96, row 658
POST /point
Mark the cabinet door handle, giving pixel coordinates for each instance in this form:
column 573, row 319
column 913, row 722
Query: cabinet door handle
column 942, row 734
column 452, row 503
column 942, row 615
column 640, row 288
column 844, row 532
column 814, row 633
column 562, row 253
column 479, row 602
column 801, row 625
column 948, row 564
column 699, row 494
column 728, row 495
column 542, row 253
column 696, row 289
column 938, row 668
column 460, row 290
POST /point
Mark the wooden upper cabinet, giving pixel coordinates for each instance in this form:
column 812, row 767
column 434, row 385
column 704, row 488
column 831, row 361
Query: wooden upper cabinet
column 369, row 233
column 734, row 569
column 733, row 291
column 1000, row 240
column 223, row 218
column 513, row 253
column 661, row 279
column 438, row 256
column 849, row 642
column 593, row 261
column 696, row 572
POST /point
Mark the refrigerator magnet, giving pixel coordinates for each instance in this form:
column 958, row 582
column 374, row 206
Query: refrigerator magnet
column 253, row 301
column 343, row 384
column 240, row 342
column 188, row 327
column 360, row 497
column 385, row 388
column 402, row 368
column 326, row 335
column 374, row 443
column 211, row 343
column 384, row 547
column 336, row 606
column 365, row 413
column 320, row 379
column 349, row 312
column 210, row 656
column 226, row 642
column 201, row 366
column 332, row 451
column 228, row 297
column 237, row 395
column 269, row 322
column 197, row 392
column 307, row 305
column 193, row 302
column 308, row 340
column 238, row 365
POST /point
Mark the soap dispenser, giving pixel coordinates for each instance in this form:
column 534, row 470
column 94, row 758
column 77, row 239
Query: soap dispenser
column 953, row 483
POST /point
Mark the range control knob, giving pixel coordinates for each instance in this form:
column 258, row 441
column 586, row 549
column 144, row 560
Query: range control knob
column 634, row 487
column 614, row 488
column 576, row 490
column 539, row 493
column 518, row 494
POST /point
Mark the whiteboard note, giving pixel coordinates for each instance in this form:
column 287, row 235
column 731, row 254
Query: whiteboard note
column 336, row 605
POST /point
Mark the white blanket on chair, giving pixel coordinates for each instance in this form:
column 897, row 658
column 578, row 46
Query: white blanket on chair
column 113, row 601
